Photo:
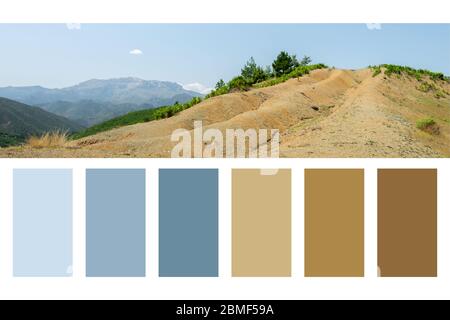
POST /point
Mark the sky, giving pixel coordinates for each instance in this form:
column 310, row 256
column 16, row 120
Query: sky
column 197, row 55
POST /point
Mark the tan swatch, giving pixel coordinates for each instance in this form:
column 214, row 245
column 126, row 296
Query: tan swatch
column 407, row 222
column 261, row 223
column 334, row 222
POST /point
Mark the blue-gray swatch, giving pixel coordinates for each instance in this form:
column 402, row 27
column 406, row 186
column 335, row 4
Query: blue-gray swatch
column 188, row 223
column 42, row 222
column 115, row 222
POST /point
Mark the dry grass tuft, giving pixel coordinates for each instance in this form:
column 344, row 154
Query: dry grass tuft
column 49, row 140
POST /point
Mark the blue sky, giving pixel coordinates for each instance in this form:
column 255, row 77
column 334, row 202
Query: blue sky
column 55, row 55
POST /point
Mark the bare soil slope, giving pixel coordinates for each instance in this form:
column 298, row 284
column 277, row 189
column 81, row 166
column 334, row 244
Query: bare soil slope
column 329, row 113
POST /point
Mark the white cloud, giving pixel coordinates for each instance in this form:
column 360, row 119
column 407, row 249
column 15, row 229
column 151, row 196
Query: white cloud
column 136, row 52
column 73, row 26
column 197, row 87
column 373, row 26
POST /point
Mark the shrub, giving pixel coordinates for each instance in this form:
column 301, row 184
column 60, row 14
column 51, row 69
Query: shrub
column 428, row 125
column 238, row 83
column 222, row 90
column 424, row 123
column 296, row 73
column 220, row 84
column 376, row 71
column 425, row 87
column 391, row 69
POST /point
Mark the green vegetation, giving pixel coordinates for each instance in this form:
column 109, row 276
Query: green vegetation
column 391, row 69
column 283, row 68
column 23, row 120
column 252, row 73
column 296, row 73
column 284, row 64
column 220, row 84
column 137, row 117
column 376, row 71
column 8, row 140
column 420, row 75
column 428, row 125
column 427, row 87
column 425, row 123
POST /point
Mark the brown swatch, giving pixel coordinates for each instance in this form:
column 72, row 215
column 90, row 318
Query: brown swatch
column 334, row 222
column 407, row 222
column 261, row 223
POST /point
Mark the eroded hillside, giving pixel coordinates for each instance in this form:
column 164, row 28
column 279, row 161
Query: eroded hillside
column 328, row 113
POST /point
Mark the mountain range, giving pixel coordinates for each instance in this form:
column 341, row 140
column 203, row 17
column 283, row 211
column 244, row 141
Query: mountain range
column 96, row 100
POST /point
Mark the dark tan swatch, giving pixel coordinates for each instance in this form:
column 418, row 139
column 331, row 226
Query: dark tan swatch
column 407, row 222
column 334, row 222
column 261, row 223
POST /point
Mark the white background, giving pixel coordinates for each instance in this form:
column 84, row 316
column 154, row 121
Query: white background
column 225, row 287
column 176, row 11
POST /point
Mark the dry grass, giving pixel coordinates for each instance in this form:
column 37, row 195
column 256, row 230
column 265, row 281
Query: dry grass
column 49, row 140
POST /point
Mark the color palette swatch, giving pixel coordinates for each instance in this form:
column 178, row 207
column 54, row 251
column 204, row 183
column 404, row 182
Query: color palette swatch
column 407, row 222
column 42, row 222
column 188, row 223
column 334, row 223
column 261, row 222
column 261, row 210
column 115, row 223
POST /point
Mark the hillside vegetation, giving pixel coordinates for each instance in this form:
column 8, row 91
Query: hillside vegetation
column 283, row 68
column 18, row 121
column 325, row 113
column 7, row 140
column 137, row 117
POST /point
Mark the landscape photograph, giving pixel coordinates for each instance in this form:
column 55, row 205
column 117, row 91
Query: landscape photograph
column 123, row 90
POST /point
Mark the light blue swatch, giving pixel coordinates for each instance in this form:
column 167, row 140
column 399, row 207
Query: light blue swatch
column 188, row 223
column 115, row 222
column 42, row 222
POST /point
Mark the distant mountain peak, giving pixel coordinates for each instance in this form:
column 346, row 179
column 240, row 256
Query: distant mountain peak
column 96, row 100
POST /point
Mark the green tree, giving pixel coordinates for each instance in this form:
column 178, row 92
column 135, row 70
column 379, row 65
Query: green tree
column 249, row 69
column 295, row 62
column 220, row 84
column 268, row 71
column 252, row 73
column 305, row 61
column 284, row 63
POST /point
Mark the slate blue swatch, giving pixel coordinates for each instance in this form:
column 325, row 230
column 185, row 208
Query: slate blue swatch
column 42, row 222
column 115, row 222
column 188, row 222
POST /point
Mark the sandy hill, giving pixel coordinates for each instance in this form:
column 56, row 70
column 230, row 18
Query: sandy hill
column 328, row 113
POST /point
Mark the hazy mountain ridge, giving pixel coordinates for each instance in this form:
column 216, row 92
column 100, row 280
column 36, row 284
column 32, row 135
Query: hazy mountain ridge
column 21, row 120
column 96, row 100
